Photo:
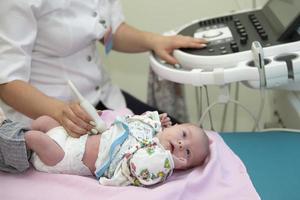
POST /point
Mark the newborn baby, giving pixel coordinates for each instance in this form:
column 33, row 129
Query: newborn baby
column 136, row 150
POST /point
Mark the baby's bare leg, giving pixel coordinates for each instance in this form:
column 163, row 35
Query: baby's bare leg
column 44, row 124
column 47, row 149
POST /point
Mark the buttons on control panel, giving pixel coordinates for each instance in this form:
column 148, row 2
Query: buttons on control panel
column 214, row 34
column 258, row 27
column 215, row 21
column 230, row 34
column 234, row 48
column 243, row 40
column 245, row 35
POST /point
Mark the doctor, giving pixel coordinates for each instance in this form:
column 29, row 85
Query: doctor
column 43, row 43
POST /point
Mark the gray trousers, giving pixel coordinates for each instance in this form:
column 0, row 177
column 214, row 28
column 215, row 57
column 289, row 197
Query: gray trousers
column 13, row 153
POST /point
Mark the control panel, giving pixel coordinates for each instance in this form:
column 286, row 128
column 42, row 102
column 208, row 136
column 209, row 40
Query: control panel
column 235, row 33
column 230, row 34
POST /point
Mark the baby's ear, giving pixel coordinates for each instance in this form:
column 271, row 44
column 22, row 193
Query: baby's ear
column 179, row 162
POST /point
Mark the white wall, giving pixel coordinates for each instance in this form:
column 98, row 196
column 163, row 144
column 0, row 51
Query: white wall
column 130, row 71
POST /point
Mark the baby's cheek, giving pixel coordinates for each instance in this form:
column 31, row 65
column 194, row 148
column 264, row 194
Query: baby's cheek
column 178, row 154
column 176, row 161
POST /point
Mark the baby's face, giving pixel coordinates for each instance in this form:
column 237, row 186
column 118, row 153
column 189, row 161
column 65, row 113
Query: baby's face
column 188, row 144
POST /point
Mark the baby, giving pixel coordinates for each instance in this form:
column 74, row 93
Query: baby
column 136, row 150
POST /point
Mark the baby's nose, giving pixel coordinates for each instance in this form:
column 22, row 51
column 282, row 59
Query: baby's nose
column 180, row 144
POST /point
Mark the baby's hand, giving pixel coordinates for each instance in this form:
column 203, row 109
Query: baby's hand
column 165, row 120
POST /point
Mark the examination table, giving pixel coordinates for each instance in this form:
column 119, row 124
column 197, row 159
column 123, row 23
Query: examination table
column 272, row 160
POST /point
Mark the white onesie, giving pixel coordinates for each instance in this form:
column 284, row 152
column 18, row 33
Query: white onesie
column 139, row 159
column 74, row 150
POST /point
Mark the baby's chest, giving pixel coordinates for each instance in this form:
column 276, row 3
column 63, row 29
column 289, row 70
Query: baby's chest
column 141, row 132
column 139, row 136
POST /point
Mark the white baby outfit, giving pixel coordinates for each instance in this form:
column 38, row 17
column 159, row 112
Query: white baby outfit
column 129, row 153
column 140, row 159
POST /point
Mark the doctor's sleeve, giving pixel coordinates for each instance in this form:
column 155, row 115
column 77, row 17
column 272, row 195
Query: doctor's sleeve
column 117, row 16
column 18, row 30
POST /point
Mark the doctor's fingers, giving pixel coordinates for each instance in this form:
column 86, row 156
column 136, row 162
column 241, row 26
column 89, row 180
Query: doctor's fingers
column 180, row 41
column 166, row 52
column 83, row 119
column 72, row 119
column 166, row 56
column 73, row 129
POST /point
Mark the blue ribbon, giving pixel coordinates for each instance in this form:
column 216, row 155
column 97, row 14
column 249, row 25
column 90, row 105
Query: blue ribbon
column 117, row 142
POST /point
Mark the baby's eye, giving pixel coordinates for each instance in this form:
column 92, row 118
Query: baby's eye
column 184, row 134
column 188, row 152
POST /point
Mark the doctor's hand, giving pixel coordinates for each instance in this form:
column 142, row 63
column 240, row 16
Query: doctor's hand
column 75, row 120
column 163, row 46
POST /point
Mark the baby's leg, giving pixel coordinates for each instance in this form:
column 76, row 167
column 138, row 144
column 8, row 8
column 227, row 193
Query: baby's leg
column 44, row 124
column 47, row 149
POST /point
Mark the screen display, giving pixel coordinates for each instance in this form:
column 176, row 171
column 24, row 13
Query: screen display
column 282, row 12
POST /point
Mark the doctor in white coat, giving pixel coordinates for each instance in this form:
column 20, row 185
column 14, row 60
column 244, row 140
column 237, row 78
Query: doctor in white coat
column 43, row 43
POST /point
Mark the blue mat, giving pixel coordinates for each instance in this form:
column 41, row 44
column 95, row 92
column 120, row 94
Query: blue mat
column 272, row 160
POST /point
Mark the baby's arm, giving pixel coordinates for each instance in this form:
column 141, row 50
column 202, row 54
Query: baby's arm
column 39, row 142
column 149, row 166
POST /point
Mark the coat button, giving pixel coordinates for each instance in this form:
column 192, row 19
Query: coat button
column 103, row 22
column 97, row 87
column 89, row 58
column 94, row 14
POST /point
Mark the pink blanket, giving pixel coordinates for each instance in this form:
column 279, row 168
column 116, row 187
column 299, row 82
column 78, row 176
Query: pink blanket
column 223, row 176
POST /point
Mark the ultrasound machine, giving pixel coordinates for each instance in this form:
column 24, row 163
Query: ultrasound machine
column 259, row 47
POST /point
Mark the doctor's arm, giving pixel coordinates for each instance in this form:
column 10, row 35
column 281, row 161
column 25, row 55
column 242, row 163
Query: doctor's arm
column 131, row 40
column 18, row 31
column 31, row 102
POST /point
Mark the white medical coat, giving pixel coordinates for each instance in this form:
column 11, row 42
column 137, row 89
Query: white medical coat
column 46, row 42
